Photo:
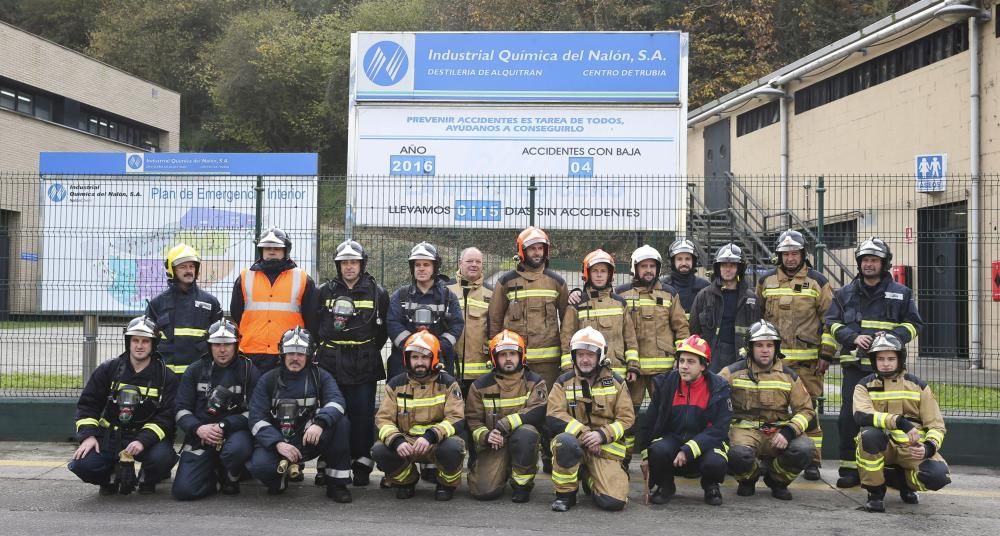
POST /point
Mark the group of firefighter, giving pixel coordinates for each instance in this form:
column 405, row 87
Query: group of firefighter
column 502, row 376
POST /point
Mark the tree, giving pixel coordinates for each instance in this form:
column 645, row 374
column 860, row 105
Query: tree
column 66, row 22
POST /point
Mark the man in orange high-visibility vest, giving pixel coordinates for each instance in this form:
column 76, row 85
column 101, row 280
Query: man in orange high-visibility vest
column 271, row 297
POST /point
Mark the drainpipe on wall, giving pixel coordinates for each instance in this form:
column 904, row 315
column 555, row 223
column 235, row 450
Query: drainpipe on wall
column 783, row 120
column 973, row 222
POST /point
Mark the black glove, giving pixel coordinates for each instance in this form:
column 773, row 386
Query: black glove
column 125, row 475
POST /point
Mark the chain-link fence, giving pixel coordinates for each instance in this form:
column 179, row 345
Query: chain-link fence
column 80, row 254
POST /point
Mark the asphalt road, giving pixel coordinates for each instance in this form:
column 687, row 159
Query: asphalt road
column 38, row 496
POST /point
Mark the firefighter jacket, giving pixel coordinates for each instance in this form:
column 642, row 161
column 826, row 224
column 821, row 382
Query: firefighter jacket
column 797, row 305
column 315, row 392
column 504, row 402
column 606, row 312
column 697, row 414
column 858, row 309
column 576, row 406
column 896, row 405
column 472, row 350
column 430, row 407
column 768, row 399
column 687, row 286
column 531, row 302
column 660, row 323
column 240, row 378
column 706, row 313
column 183, row 318
column 269, row 299
column 448, row 322
column 152, row 420
column 353, row 355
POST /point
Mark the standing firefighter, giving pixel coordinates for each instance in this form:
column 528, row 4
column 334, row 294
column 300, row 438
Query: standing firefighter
column 212, row 405
column 872, row 302
column 504, row 411
column 352, row 331
column 271, row 297
column 682, row 275
column 723, row 311
column 688, row 421
column 902, row 428
column 795, row 298
column 126, row 414
column 590, row 410
column 474, row 295
column 771, row 411
column 420, row 420
column 297, row 414
column 184, row 311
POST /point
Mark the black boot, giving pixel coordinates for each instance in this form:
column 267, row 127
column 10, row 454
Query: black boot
column 564, row 501
column 520, row 494
column 360, row 474
column 109, row 489
column 547, row 465
column 746, row 488
column 444, row 493
column 779, row 490
column 663, row 492
column 849, row 478
column 713, row 496
column 320, row 479
column 429, row 474
column 406, row 492
column 811, row 472
column 145, row 486
column 339, row 493
column 909, row 496
column 876, row 499
column 228, row 484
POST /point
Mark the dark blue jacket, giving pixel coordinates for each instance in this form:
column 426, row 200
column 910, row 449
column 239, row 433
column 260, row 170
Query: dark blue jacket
column 442, row 301
column 312, row 387
column 708, row 427
column 353, row 356
column 183, row 319
column 240, row 377
column 688, row 286
column 858, row 309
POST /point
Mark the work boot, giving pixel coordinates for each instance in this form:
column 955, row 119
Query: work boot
column 746, row 488
column 360, row 472
column 109, row 489
column 385, row 483
column 228, row 484
column 849, row 478
column 429, row 474
column 145, row 487
column 547, row 466
column 320, row 479
column 779, row 490
column 406, row 492
column 563, row 502
column 811, row 472
column 876, row 499
column 339, row 493
column 520, row 494
column 713, row 496
column 909, row 496
column 662, row 494
column 444, row 493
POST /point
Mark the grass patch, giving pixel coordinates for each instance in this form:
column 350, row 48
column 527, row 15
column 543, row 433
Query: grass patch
column 949, row 396
column 32, row 380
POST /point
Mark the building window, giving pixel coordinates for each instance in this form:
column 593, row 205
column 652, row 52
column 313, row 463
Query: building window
column 839, row 235
column 935, row 47
column 757, row 118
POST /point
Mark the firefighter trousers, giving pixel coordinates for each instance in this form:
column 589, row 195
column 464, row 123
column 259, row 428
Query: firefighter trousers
column 446, row 455
column 334, row 446
column 606, row 478
column 549, row 371
column 518, row 458
column 638, row 390
column 747, row 445
column 202, row 467
column 99, row 467
column 882, row 461
column 710, row 466
column 846, row 426
column 813, row 382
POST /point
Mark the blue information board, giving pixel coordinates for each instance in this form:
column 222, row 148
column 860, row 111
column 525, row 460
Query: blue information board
column 277, row 164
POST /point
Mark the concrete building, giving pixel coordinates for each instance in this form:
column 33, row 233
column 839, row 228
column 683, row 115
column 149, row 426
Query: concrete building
column 900, row 119
column 56, row 99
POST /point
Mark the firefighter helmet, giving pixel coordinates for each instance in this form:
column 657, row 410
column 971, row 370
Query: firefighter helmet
column 507, row 340
column 179, row 254
column 683, row 245
column 530, row 237
column 697, row 346
column 274, row 238
column 875, row 247
column 762, row 330
column 884, row 341
column 589, row 338
column 141, row 326
column 427, row 252
column 223, row 332
column 729, row 253
column 425, row 343
column 645, row 253
column 790, row 240
column 595, row 257
column 297, row 340
column 349, row 250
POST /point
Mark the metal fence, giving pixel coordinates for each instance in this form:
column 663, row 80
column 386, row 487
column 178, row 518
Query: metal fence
column 91, row 249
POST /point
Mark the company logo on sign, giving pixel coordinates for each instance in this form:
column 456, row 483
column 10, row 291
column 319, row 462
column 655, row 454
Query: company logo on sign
column 56, row 192
column 134, row 163
column 386, row 63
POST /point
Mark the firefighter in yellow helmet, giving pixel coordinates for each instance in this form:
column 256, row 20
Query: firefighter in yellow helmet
column 421, row 420
column 590, row 410
column 504, row 409
column 902, row 428
column 184, row 311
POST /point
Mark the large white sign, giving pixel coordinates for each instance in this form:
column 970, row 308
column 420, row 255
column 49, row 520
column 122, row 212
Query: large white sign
column 447, row 128
column 435, row 166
